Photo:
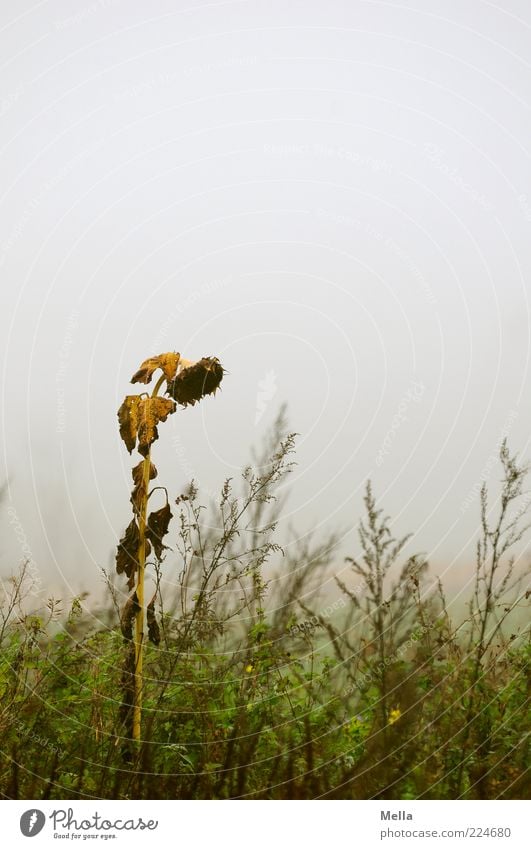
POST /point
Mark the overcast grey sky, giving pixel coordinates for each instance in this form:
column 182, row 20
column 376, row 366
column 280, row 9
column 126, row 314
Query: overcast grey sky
column 333, row 197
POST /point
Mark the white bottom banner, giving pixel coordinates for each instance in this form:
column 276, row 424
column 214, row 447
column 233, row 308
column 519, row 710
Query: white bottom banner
column 253, row 825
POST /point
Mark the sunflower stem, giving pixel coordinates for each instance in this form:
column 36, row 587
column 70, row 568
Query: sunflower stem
column 140, row 614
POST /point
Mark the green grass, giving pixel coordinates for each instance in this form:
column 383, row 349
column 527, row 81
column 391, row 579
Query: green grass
column 266, row 689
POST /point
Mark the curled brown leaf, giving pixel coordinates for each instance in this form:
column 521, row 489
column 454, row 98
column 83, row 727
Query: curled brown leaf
column 167, row 362
column 138, row 472
column 128, row 418
column 157, row 528
column 139, row 491
column 153, row 625
column 129, row 612
column 127, row 552
column 151, row 411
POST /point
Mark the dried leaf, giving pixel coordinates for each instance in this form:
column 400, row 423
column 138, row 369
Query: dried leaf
column 157, row 528
column 167, row 362
column 129, row 612
column 151, row 412
column 138, row 472
column 128, row 417
column 127, row 552
column 193, row 383
column 139, row 491
column 137, row 498
column 153, row 625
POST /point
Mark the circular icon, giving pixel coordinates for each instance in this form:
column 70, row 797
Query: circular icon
column 32, row 822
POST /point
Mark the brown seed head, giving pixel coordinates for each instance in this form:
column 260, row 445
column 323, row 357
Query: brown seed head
column 197, row 380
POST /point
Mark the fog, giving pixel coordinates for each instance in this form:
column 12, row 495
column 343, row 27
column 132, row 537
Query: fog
column 333, row 198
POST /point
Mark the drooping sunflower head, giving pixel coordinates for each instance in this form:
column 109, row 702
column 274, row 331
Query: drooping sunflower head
column 194, row 381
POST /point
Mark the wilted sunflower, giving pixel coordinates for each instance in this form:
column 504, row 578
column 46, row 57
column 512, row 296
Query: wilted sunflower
column 196, row 380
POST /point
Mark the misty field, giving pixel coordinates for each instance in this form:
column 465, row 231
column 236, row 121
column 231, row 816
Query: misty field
column 264, row 676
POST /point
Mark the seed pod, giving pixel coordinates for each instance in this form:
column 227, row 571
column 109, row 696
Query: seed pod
column 197, row 380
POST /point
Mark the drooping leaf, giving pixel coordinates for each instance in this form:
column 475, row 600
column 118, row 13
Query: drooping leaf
column 139, row 491
column 138, row 472
column 129, row 612
column 137, row 498
column 197, row 380
column 128, row 418
column 127, row 552
column 151, row 412
column 153, row 625
column 157, row 528
column 167, row 362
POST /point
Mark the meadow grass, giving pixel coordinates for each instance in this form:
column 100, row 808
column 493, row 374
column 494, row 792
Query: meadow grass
column 259, row 686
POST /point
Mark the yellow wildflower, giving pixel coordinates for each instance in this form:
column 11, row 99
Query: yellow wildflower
column 394, row 715
column 249, row 667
